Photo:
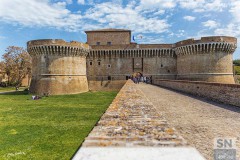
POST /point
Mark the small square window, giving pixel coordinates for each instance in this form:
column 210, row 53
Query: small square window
column 99, row 63
column 109, row 65
column 90, row 63
column 109, row 43
column 98, row 43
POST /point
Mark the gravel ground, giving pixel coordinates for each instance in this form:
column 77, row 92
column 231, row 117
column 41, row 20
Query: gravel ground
column 199, row 121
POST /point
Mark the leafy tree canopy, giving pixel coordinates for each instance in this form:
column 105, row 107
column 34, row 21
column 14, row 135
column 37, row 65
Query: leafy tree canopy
column 236, row 62
column 16, row 64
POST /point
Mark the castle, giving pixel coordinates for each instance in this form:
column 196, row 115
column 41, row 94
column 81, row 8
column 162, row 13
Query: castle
column 109, row 57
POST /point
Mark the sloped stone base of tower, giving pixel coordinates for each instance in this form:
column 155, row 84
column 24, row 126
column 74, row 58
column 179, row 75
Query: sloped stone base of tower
column 57, row 85
column 115, row 85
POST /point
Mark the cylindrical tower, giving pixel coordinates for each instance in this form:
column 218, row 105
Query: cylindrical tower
column 208, row 59
column 58, row 67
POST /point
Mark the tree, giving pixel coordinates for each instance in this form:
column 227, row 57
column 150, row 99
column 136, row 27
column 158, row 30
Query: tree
column 17, row 63
column 236, row 62
column 2, row 66
column 2, row 73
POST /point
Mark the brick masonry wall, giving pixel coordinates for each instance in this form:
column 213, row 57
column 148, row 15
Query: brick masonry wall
column 105, row 37
column 225, row 93
column 118, row 69
column 206, row 67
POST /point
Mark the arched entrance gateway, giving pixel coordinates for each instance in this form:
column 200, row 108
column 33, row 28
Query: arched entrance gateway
column 137, row 65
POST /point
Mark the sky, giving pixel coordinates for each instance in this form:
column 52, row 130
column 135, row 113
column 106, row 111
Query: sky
column 151, row 21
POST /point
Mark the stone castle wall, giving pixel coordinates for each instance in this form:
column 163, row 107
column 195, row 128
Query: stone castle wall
column 58, row 67
column 220, row 92
column 208, row 59
column 115, row 37
column 108, row 68
column 74, row 66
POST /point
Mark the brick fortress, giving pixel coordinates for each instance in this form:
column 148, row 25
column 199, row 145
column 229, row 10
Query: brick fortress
column 109, row 58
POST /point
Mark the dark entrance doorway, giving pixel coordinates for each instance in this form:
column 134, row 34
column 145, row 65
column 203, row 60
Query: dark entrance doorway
column 138, row 65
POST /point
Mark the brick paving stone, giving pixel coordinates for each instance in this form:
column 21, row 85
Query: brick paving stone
column 199, row 121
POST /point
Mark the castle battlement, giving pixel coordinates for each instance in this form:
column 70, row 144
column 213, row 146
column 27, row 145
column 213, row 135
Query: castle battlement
column 57, row 47
column 206, row 45
column 210, row 39
column 131, row 53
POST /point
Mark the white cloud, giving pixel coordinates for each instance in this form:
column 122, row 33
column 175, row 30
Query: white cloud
column 119, row 2
column 235, row 11
column 69, row 1
column 102, row 15
column 90, row 2
column 210, row 24
column 230, row 30
column 38, row 13
column 203, row 5
column 189, row 18
column 116, row 16
column 80, row 1
column 159, row 12
column 156, row 4
column 2, row 37
column 180, row 33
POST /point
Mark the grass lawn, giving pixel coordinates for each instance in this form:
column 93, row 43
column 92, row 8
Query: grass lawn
column 50, row 128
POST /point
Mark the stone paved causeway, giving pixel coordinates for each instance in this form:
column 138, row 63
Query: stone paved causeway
column 197, row 120
column 132, row 121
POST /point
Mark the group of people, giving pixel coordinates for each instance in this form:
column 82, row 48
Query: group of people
column 138, row 77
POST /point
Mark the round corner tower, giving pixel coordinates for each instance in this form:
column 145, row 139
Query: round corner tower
column 208, row 59
column 58, row 67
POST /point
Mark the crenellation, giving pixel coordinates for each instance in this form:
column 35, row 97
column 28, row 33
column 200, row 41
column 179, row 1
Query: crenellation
column 131, row 53
column 205, row 48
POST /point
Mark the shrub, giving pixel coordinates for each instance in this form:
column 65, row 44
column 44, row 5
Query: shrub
column 236, row 62
column 237, row 70
column 3, row 84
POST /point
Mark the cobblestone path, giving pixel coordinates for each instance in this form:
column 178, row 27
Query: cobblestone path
column 197, row 120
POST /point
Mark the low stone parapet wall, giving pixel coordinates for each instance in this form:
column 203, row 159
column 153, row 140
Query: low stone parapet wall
column 225, row 93
column 131, row 128
column 132, row 120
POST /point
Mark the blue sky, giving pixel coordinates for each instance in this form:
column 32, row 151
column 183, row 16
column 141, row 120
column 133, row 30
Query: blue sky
column 151, row 21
